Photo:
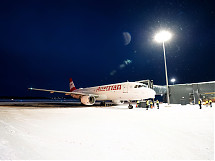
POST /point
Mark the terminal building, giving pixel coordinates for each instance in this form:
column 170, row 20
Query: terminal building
column 192, row 92
column 183, row 94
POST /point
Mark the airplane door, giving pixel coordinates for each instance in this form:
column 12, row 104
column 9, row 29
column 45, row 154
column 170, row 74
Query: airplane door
column 125, row 88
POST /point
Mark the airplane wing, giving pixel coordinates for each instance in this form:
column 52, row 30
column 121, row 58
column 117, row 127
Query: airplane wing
column 73, row 94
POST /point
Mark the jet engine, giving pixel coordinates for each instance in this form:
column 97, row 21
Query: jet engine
column 88, row 100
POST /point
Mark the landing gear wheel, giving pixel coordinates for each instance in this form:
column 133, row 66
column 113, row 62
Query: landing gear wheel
column 130, row 106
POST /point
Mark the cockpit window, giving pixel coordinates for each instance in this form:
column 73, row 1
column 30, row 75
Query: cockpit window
column 139, row 86
column 144, row 85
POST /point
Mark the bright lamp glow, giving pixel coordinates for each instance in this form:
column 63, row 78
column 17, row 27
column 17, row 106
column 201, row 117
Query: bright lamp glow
column 173, row 80
column 163, row 36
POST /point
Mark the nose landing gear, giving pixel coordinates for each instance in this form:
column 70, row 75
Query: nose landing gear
column 130, row 106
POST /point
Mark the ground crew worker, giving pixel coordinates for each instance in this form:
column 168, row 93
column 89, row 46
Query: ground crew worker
column 147, row 104
column 151, row 103
column 200, row 104
column 210, row 102
column 137, row 103
column 157, row 103
column 206, row 103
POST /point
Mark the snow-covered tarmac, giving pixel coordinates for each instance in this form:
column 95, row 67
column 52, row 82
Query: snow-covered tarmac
column 176, row 132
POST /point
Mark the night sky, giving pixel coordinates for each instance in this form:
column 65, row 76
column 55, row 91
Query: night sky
column 44, row 43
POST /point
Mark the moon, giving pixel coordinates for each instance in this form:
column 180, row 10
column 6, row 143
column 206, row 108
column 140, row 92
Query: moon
column 126, row 38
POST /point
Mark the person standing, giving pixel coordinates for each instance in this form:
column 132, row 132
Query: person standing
column 210, row 102
column 147, row 104
column 206, row 103
column 138, row 103
column 151, row 104
column 157, row 103
column 200, row 104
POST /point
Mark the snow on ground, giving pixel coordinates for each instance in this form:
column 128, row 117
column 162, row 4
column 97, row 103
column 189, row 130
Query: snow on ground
column 176, row 132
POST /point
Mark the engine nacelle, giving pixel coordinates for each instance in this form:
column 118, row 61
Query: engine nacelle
column 88, row 100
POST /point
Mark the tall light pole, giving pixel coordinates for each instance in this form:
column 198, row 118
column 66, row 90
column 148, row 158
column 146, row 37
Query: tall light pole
column 162, row 37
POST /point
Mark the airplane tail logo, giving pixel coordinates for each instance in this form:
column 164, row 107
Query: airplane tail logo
column 71, row 85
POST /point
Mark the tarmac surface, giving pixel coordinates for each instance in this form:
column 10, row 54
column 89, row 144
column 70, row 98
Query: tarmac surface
column 72, row 131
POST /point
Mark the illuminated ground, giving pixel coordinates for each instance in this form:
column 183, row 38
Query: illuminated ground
column 177, row 132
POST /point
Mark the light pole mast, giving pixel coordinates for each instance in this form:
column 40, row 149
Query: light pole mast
column 167, row 85
column 161, row 37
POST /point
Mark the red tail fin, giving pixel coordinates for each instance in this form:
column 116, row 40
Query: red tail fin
column 71, row 85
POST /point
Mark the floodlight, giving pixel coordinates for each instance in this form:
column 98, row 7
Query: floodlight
column 163, row 36
column 173, row 80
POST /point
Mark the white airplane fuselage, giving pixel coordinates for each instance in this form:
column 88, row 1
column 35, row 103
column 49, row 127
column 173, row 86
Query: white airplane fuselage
column 126, row 91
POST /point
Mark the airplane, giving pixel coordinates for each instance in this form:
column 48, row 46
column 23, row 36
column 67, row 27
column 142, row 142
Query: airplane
column 117, row 93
